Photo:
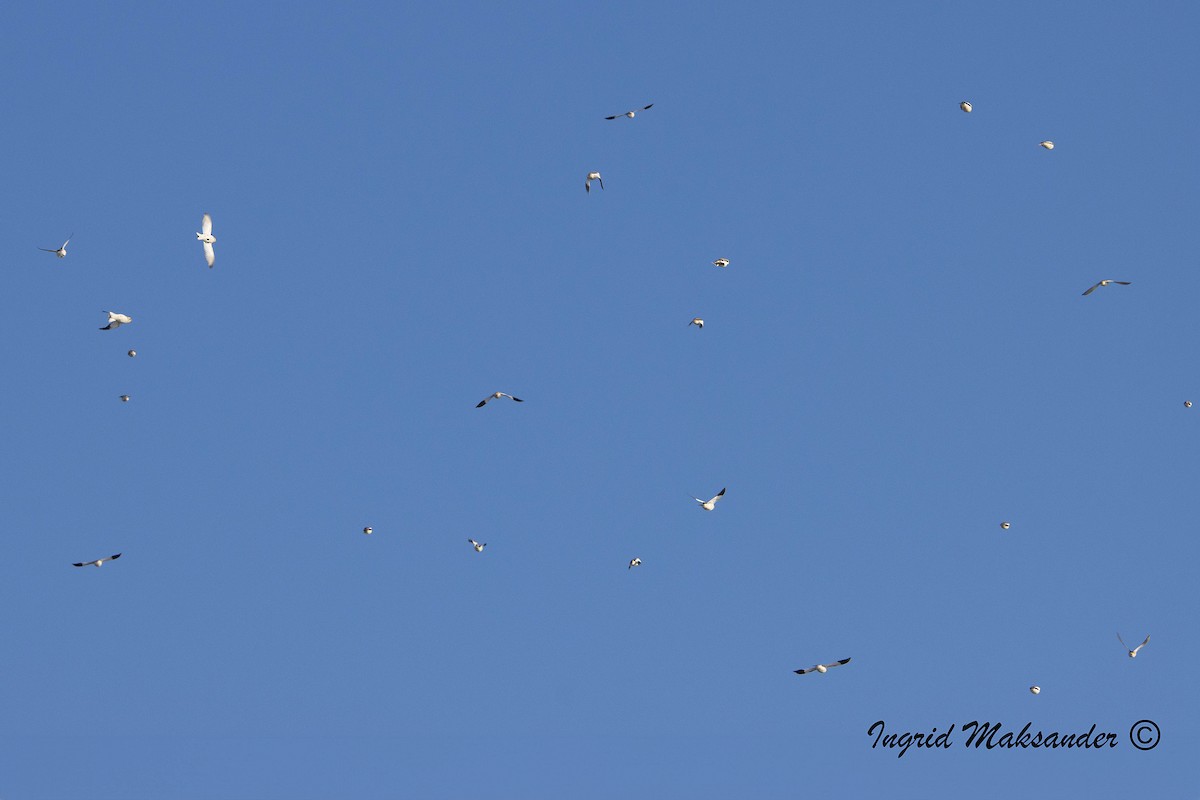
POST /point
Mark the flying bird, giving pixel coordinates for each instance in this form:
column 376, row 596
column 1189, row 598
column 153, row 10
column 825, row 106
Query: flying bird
column 592, row 176
column 1187, row 403
column 721, row 262
column 478, row 547
column 60, row 252
column 709, row 505
column 368, row 530
column 631, row 114
column 634, row 562
column 822, row 668
column 116, row 320
column 1035, row 689
column 1105, row 283
column 99, row 562
column 124, row 398
column 1049, row 145
column 497, row 396
column 965, row 106
column 1005, row 525
column 131, row 353
column 1133, row 653
column 699, row 323
column 205, row 235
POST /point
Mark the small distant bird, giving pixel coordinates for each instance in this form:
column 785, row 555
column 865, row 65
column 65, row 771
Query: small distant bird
column 1105, row 283
column 1049, row 145
column 592, row 176
column 131, row 353
column 60, row 252
column 368, row 530
column 709, row 505
column 98, row 562
column 965, row 106
column 721, row 262
column 205, row 235
column 1187, row 403
column 631, row 114
column 1035, row 689
column 634, row 562
column 1133, row 653
column 699, row 323
column 116, row 320
column 497, row 396
column 124, row 398
column 1005, row 525
column 478, row 547
column 821, row 668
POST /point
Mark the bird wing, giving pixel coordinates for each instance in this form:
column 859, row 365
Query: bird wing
column 84, row 564
column 114, row 558
column 110, row 326
column 601, row 182
column 67, row 242
column 44, row 250
column 717, row 496
column 1089, row 291
column 1123, row 283
column 804, row 671
column 614, row 116
column 473, row 542
column 209, row 255
column 519, row 400
column 483, row 402
column 1143, row 644
column 587, row 186
column 1122, row 641
column 697, row 499
column 837, row 663
column 206, row 224
column 647, row 108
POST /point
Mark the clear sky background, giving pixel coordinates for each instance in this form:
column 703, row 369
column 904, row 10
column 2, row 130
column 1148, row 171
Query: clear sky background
column 897, row 359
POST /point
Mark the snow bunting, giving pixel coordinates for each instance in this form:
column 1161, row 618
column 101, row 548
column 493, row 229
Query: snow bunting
column 822, row 668
column 98, row 562
column 205, row 236
column 60, row 252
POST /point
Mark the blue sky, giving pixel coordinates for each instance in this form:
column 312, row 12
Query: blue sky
column 897, row 359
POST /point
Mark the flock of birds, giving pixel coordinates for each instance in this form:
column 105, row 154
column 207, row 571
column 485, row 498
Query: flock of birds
column 206, row 238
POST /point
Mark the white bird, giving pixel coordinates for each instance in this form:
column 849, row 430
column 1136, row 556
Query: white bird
column 1187, row 403
column 478, row 547
column 821, row 668
column 205, row 235
column 131, row 353
column 116, row 320
column 1035, row 689
column 1049, row 145
column 965, row 106
column 1133, row 653
column 124, row 398
column 1005, row 525
column 634, row 562
column 709, row 505
column 721, row 262
column 497, row 396
column 592, row 176
column 699, row 323
column 1105, row 283
column 60, row 252
column 98, row 562
column 368, row 530
column 631, row 114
